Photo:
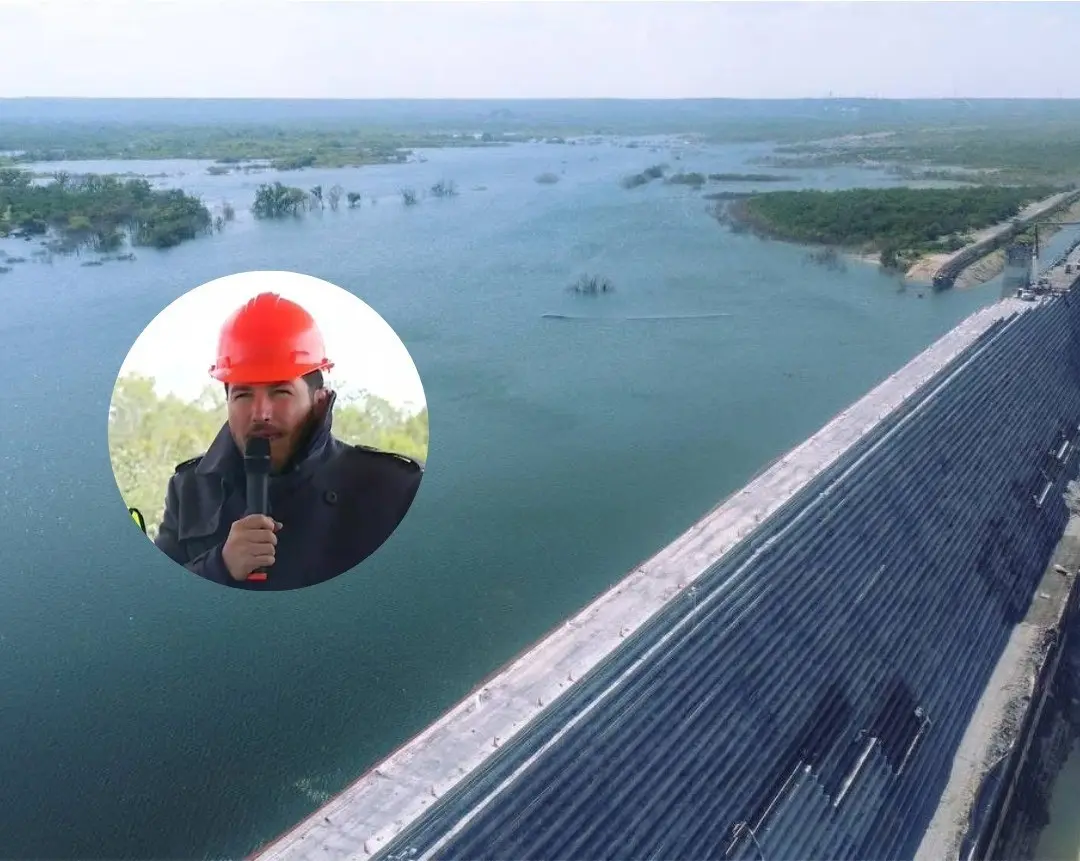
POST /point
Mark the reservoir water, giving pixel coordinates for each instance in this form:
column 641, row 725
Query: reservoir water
column 146, row 713
column 1060, row 841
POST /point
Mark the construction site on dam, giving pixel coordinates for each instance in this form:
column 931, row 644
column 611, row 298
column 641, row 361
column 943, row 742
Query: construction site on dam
column 870, row 651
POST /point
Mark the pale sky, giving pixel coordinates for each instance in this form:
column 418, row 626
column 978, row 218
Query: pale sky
column 178, row 347
column 551, row 49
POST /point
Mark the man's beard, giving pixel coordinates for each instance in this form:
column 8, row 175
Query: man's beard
column 299, row 442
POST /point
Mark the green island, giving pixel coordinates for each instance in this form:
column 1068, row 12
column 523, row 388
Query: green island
column 150, row 434
column 646, row 176
column 97, row 211
column 659, row 171
column 750, row 177
column 897, row 224
column 695, row 179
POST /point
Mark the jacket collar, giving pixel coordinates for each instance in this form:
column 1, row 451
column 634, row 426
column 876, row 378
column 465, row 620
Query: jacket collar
column 224, row 458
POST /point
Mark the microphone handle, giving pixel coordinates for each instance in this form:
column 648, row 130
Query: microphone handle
column 258, row 494
column 258, row 502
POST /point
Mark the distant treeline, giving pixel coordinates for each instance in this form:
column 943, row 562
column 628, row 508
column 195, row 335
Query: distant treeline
column 149, row 435
column 285, row 147
column 1020, row 153
column 97, row 210
column 189, row 124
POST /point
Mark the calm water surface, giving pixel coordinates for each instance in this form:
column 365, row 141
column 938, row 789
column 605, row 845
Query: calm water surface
column 146, row 713
column 1061, row 839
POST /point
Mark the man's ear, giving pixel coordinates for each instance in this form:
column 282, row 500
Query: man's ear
column 321, row 397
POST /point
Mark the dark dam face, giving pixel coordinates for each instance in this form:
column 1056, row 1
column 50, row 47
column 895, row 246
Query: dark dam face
column 815, row 707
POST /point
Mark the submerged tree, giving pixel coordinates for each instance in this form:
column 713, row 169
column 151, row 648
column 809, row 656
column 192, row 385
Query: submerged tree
column 333, row 196
column 828, row 257
column 277, row 200
column 444, row 188
column 409, row 196
column 179, row 217
column 354, row 199
column 890, row 258
column 592, row 285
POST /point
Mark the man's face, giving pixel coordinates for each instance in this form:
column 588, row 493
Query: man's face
column 279, row 411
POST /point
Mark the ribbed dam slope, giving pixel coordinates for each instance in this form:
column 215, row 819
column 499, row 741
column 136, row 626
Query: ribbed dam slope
column 793, row 676
column 810, row 698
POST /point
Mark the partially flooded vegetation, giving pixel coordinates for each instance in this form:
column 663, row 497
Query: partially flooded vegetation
column 696, row 179
column 893, row 225
column 646, row 176
column 97, row 212
column 592, row 285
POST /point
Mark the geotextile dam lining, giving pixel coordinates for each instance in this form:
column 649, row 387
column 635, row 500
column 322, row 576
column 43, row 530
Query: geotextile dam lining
column 803, row 695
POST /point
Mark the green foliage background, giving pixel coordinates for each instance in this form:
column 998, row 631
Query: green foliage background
column 149, row 435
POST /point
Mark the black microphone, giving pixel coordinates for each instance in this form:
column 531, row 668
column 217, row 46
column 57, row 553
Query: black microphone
column 257, row 471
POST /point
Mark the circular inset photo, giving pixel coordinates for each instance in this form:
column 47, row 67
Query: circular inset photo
column 268, row 431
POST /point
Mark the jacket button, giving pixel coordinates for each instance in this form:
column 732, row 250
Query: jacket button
column 330, row 497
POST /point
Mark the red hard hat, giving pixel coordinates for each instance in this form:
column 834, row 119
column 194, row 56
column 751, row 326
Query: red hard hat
column 267, row 340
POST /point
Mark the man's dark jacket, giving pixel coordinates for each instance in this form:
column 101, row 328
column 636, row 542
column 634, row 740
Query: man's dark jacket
column 337, row 504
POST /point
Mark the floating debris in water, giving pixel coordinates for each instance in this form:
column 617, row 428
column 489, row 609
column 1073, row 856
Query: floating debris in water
column 592, row 285
column 705, row 315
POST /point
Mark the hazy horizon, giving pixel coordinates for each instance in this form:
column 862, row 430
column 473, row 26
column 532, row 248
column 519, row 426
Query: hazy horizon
column 482, row 99
column 620, row 51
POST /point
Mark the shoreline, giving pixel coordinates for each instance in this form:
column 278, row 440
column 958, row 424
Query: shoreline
column 923, row 270
column 991, row 265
